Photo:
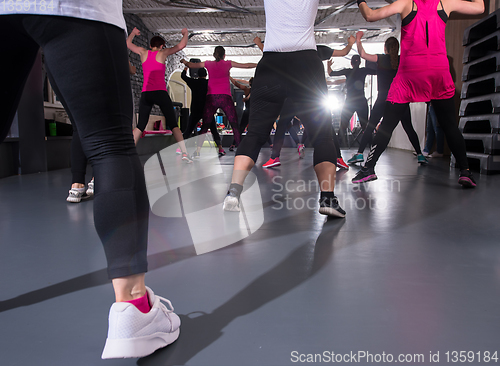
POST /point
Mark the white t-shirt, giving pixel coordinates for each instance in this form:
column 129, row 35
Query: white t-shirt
column 107, row 11
column 290, row 25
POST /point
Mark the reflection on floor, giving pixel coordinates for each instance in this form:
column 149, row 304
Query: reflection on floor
column 414, row 269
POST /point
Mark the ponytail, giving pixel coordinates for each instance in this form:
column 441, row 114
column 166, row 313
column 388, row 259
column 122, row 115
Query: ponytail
column 392, row 47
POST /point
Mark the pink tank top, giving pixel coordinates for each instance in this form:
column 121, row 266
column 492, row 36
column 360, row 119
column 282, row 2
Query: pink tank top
column 423, row 44
column 218, row 77
column 424, row 70
column 154, row 73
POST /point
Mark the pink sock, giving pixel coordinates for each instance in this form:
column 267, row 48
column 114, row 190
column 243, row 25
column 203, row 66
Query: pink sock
column 142, row 303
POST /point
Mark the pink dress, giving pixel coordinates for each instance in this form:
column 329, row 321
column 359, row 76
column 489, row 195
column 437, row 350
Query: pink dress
column 154, row 73
column 424, row 71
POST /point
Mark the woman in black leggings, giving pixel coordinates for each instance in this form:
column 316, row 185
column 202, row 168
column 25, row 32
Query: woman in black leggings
column 387, row 66
column 423, row 74
column 92, row 81
column 154, row 88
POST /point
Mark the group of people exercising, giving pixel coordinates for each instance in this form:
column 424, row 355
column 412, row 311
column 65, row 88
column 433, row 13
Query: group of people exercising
column 99, row 102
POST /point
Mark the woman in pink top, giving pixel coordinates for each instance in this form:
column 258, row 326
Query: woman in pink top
column 423, row 74
column 154, row 88
column 219, row 91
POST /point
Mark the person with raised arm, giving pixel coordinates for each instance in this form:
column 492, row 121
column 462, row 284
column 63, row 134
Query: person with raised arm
column 219, row 92
column 423, row 74
column 387, row 66
column 154, row 87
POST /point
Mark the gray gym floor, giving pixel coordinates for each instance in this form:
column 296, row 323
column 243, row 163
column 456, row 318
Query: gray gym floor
column 414, row 269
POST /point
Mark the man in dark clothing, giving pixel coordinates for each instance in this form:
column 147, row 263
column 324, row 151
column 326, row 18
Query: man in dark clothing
column 199, row 87
column 355, row 99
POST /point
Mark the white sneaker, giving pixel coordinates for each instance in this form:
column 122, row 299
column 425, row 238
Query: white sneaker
column 76, row 196
column 90, row 190
column 133, row 334
column 232, row 201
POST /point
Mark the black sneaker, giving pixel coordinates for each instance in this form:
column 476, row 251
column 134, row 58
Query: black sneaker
column 232, row 147
column 466, row 179
column 364, row 175
column 331, row 207
column 232, row 201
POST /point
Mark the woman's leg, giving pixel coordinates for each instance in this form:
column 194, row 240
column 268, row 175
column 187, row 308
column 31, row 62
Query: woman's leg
column 145, row 106
column 121, row 206
column 194, row 117
column 227, row 105
column 445, row 113
column 430, row 131
column 410, row 131
column 392, row 114
column 162, row 99
column 78, row 161
column 375, row 116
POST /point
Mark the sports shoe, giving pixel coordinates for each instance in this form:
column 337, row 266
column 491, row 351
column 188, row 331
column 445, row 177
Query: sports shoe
column 178, row 151
column 232, row 147
column 133, row 334
column 341, row 164
column 186, row 159
column 76, row 196
column 421, row 159
column 221, row 152
column 364, row 175
column 90, row 189
column 196, row 155
column 232, row 201
column 331, row 207
column 356, row 158
column 424, row 153
column 301, row 150
column 466, row 179
column 272, row 162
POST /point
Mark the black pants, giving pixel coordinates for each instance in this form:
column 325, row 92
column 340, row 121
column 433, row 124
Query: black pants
column 351, row 105
column 78, row 159
column 377, row 114
column 92, row 81
column 445, row 112
column 161, row 99
column 194, row 117
column 301, row 77
column 285, row 124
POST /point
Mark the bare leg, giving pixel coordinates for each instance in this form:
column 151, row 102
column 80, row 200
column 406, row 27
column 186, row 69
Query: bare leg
column 326, row 173
column 129, row 288
column 242, row 165
column 176, row 131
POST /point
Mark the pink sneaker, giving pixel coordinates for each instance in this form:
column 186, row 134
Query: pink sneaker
column 178, row 151
column 301, row 151
column 272, row 162
column 341, row 164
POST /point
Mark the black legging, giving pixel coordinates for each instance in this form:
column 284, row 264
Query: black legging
column 78, row 158
column 351, row 105
column 273, row 84
column 445, row 111
column 92, row 81
column 161, row 99
column 377, row 114
column 194, row 117
column 285, row 124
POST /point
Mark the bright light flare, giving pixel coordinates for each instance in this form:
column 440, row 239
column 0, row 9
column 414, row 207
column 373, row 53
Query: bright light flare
column 332, row 102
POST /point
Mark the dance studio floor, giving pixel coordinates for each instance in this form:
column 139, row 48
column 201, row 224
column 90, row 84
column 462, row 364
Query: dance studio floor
column 413, row 270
